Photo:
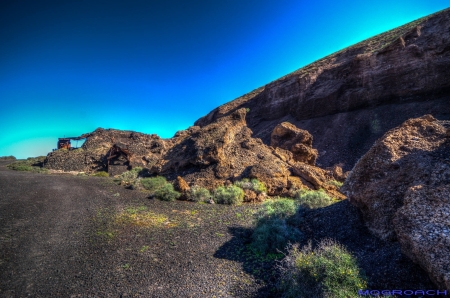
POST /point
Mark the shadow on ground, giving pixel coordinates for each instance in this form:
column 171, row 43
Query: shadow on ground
column 260, row 267
column 383, row 263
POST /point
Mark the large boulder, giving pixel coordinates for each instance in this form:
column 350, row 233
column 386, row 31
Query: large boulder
column 298, row 141
column 401, row 186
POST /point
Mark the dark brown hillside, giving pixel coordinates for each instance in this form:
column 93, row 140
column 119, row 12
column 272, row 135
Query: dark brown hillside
column 349, row 99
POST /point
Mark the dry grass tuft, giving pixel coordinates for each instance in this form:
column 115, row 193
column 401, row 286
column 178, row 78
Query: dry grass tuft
column 140, row 217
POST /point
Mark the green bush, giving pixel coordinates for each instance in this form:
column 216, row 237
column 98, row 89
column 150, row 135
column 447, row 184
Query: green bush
column 231, row 195
column 312, row 199
column 20, row 167
column 132, row 175
column 335, row 183
column 101, row 174
column 254, row 184
column 167, row 193
column 198, row 194
column 279, row 208
column 153, row 183
column 128, row 175
column 273, row 231
column 272, row 236
column 31, row 164
column 327, row 271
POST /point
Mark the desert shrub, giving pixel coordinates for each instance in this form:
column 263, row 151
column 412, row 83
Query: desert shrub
column 327, row 271
column 274, row 226
column 312, row 199
column 231, row 195
column 254, row 184
column 101, row 174
column 131, row 175
column 31, row 164
column 335, row 183
column 20, row 167
column 167, row 193
column 198, row 194
column 272, row 236
column 153, row 183
column 279, row 208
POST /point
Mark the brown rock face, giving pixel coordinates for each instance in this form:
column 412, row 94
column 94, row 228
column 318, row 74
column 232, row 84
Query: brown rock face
column 351, row 98
column 221, row 151
column 402, row 188
column 287, row 136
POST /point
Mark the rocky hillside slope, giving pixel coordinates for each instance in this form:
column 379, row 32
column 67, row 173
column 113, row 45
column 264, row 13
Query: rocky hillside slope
column 351, row 98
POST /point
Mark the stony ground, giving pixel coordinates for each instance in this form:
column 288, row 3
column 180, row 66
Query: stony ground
column 63, row 236
column 69, row 236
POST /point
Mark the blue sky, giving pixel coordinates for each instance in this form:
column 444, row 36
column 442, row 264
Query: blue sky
column 68, row 67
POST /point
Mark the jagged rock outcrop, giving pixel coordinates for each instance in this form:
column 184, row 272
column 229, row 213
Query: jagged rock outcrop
column 299, row 142
column 221, row 151
column 214, row 155
column 401, row 185
column 351, row 98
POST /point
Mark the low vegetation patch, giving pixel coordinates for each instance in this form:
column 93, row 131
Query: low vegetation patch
column 275, row 226
column 130, row 177
column 154, row 183
column 167, row 193
column 253, row 184
column 101, row 174
column 139, row 217
column 10, row 157
column 110, row 224
column 198, row 194
column 327, row 271
column 312, row 199
column 160, row 188
column 231, row 195
column 31, row 164
column 336, row 183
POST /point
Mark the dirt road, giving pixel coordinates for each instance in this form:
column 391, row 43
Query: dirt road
column 59, row 237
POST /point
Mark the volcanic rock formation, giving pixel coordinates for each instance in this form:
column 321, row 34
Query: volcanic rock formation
column 351, row 98
column 211, row 156
column 297, row 141
column 402, row 187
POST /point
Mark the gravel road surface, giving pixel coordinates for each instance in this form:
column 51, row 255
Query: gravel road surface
column 70, row 236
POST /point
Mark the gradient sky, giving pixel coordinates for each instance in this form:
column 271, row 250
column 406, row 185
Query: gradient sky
column 68, row 67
